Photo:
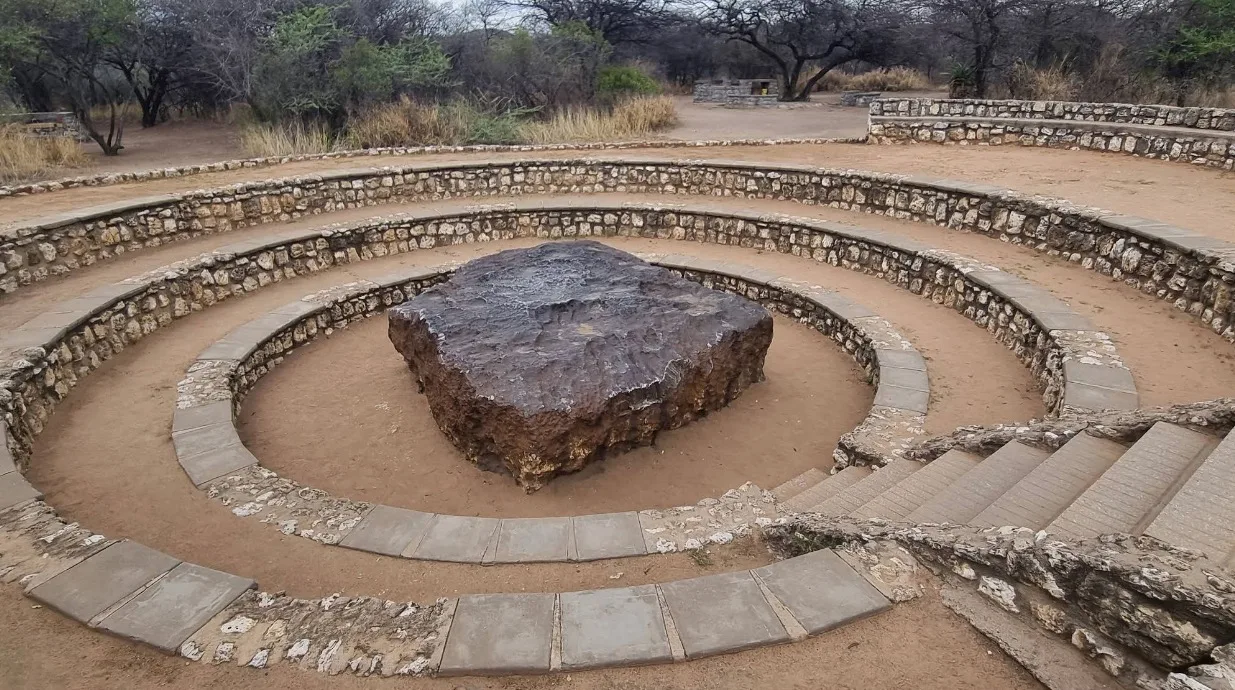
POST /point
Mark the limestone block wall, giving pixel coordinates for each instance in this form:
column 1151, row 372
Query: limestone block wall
column 1192, row 271
column 1201, row 136
column 58, row 124
column 1114, row 598
column 737, row 91
column 43, row 359
column 1222, row 119
column 1201, row 148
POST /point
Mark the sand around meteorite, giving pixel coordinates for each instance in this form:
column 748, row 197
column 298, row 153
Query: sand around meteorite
column 541, row 360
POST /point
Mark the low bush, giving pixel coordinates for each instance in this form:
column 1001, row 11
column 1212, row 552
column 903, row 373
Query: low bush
column 622, row 81
column 26, row 157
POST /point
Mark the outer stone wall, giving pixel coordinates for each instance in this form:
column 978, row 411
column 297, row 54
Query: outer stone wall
column 1201, row 136
column 1172, row 263
column 1157, row 115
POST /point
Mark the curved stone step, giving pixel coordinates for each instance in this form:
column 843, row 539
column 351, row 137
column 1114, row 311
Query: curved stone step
column 800, row 483
column 1128, row 493
column 911, row 492
column 825, row 489
column 968, row 496
column 1047, row 490
column 1201, row 515
column 861, row 492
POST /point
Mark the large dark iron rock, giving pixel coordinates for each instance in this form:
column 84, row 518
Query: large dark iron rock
column 540, row 360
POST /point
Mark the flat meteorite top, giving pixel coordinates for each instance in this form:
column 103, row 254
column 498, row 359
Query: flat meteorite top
column 572, row 324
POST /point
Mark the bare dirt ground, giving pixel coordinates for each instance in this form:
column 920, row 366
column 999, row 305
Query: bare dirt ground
column 344, row 415
column 169, row 145
column 131, row 462
column 106, row 459
column 128, row 484
column 193, row 142
column 916, row 646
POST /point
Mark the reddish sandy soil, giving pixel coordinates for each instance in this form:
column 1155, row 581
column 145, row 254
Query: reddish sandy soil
column 105, row 458
column 344, row 415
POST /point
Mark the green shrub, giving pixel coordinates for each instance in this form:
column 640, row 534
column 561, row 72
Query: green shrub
column 616, row 82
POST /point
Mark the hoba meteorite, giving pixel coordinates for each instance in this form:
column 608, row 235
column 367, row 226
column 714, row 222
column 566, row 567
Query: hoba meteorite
column 541, row 360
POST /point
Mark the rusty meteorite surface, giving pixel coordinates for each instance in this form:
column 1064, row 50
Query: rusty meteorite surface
column 540, row 360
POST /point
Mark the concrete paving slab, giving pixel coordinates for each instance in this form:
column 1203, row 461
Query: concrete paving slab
column 455, row 538
column 187, row 418
column 821, row 590
column 389, row 531
column 533, row 540
column 170, row 610
column 101, row 581
column 204, row 439
column 208, row 466
column 15, row 490
column 722, row 613
column 500, row 633
column 608, row 535
column 613, row 627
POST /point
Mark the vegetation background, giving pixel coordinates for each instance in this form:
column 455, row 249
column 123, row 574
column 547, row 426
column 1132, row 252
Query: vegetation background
column 302, row 76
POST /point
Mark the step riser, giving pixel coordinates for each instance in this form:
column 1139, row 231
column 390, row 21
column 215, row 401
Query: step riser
column 1127, row 492
column 981, row 486
column 1045, row 492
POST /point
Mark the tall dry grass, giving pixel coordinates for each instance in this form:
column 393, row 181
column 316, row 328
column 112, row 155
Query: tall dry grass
column 883, row 79
column 629, row 119
column 26, row 157
column 406, row 123
column 292, row 138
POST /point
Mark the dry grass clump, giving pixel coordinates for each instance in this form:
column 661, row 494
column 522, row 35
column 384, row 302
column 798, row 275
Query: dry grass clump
column 406, row 123
column 629, row 119
column 292, row 138
column 409, row 123
column 883, row 79
column 26, row 157
column 1050, row 84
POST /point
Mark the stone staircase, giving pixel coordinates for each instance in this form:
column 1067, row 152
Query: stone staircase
column 1173, row 483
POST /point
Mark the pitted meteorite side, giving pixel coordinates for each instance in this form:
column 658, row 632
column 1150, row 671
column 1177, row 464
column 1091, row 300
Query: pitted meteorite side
column 541, row 360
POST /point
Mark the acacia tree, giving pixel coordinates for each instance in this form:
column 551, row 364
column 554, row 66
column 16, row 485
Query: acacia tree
column 68, row 42
column 796, row 35
column 616, row 21
column 983, row 27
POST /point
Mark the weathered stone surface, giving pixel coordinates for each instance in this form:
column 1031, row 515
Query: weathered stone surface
column 541, row 360
column 1170, row 606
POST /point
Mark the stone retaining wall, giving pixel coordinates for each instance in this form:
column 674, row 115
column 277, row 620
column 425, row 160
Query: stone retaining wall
column 106, row 179
column 41, row 360
column 1112, row 597
column 60, row 124
column 1198, row 147
column 1191, row 270
column 1214, row 417
column 1222, row 119
column 741, row 92
column 209, row 449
